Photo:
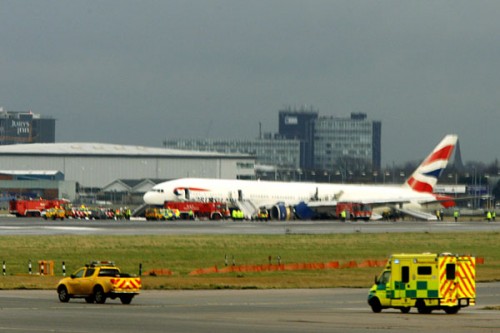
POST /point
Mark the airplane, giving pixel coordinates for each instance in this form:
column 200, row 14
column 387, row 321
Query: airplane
column 305, row 199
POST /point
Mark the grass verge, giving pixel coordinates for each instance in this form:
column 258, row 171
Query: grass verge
column 183, row 254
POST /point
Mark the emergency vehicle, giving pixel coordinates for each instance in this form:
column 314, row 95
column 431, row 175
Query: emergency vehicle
column 98, row 281
column 426, row 281
column 34, row 207
column 354, row 210
column 159, row 214
column 196, row 209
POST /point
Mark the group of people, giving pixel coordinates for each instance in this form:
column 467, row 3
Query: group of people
column 491, row 215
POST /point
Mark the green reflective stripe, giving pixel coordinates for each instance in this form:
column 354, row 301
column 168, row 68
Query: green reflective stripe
column 422, row 285
column 399, row 285
column 432, row 293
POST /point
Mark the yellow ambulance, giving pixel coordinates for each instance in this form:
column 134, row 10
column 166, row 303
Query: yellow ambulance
column 426, row 281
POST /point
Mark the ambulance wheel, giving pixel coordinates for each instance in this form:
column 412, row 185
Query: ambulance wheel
column 375, row 304
column 451, row 309
column 421, row 308
column 405, row 309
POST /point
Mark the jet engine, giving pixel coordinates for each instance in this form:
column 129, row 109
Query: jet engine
column 281, row 212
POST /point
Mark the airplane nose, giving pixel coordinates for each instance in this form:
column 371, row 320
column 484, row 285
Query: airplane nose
column 148, row 197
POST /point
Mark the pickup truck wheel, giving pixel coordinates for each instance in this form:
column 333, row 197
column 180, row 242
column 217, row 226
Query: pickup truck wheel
column 99, row 296
column 126, row 299
column 62, row 292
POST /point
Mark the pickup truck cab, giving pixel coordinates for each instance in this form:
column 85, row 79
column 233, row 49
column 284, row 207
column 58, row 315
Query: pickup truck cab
column 98, row 281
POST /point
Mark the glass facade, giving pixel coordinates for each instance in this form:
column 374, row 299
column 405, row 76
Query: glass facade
column 276, row 152
column 337, row 140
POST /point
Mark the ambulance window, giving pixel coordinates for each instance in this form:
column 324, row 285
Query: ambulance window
column 424, row 270
column 384, row 279
column 405, row 274
column 450, row 272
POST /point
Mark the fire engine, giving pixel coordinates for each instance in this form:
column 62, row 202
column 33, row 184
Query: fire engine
column 426, row 281
column 354, row 210
column 35, row 207
column 196, row 209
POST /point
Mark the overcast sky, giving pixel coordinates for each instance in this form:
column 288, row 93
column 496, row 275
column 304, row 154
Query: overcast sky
column 137, row 72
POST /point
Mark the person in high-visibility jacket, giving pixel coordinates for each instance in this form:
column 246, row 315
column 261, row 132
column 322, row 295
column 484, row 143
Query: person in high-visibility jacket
column 488, row 216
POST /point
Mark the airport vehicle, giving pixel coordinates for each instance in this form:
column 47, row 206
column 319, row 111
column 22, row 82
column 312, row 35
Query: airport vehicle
column 158, row 214
column 98, row 281
column 34, row 207
column 55, row 213
column 426, row 281
column 284, row 199
column 262, row 215
column 354, row 210
column 196, row 209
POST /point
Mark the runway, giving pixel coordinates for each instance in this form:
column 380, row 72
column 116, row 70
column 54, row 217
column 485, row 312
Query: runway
column 296, row 310
column 289, row 310
column 38, row 226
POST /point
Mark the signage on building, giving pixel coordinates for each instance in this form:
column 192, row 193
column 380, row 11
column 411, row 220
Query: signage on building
column 290, row 120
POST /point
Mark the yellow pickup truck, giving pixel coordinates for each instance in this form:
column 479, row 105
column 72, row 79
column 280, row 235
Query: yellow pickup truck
column 98, row 281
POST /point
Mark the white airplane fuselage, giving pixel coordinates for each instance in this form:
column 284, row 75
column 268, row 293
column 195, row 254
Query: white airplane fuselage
column 414, row 194
column 268, row 193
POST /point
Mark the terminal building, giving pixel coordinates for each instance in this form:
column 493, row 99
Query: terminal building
column 94, row 166
column 305, row 141
column 267, row 151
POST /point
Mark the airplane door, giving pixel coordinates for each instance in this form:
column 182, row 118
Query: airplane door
column 240, row 195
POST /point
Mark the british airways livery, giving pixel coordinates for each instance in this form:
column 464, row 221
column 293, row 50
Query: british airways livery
column 415, row 197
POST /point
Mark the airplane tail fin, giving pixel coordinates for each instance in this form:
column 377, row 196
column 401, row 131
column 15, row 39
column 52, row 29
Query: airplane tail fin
column 425, row 177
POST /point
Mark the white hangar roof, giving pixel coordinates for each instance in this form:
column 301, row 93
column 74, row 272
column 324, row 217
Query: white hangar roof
column 93, row 149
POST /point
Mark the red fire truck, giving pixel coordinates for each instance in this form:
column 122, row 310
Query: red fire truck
column 202, row 210
column 33, row 207
column 354, row 210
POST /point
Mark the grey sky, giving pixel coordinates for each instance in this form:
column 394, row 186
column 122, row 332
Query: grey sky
column 137, row 72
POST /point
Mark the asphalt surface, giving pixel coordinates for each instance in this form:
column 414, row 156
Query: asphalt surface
column 38, row 226
column 296, row 310
column 303, row 310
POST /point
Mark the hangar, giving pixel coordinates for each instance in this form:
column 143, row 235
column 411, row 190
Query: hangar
column 95, row 165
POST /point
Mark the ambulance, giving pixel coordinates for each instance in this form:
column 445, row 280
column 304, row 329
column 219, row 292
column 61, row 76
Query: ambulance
column 426, row 281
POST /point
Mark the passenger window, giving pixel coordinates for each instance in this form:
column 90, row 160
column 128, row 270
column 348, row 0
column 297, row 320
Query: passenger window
column 79, row 273
column 424, row 270
column 405, row 274
column 450, row 271
column 109, row 272
column 89, row 272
